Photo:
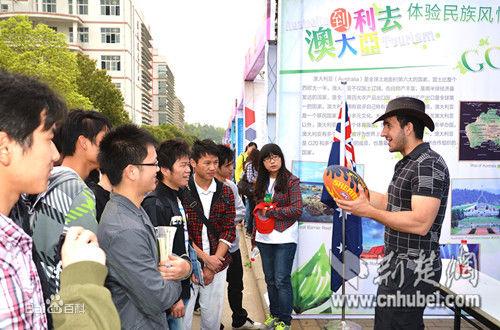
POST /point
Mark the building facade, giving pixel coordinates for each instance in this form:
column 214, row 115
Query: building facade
column 163, row 91
column 112, row 32
column 178, row 113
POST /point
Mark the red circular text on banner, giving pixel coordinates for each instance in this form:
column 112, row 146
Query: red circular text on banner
column 340, row 20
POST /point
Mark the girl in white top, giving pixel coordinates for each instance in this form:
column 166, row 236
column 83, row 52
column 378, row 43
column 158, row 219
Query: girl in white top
column 276, row 184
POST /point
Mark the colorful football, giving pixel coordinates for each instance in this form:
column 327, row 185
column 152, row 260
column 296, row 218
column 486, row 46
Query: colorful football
column 343, row 183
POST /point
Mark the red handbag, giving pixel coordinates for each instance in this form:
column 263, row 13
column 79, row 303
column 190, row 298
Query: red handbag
column 263, row 223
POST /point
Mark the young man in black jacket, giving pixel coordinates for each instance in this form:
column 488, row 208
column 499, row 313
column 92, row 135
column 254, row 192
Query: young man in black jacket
column 164, row 208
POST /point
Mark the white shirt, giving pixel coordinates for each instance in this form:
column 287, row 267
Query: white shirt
column 270, row 186
column 184, row 220
column 206, row 202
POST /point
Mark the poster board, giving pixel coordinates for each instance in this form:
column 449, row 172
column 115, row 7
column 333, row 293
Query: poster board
column 445, row 53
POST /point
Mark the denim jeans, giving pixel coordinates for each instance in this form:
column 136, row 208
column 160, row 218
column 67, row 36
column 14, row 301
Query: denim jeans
column 277, row 261
column 177, row 323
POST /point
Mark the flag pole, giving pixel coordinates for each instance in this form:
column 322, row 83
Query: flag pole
column 343, row 324
column 344, row 214
column 344, row 218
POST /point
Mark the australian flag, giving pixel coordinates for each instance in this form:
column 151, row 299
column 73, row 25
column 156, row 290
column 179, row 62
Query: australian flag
column 342, row 153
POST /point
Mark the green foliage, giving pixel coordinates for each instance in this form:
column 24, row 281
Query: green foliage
column 202, row 132
column 190, row 133
column 456, row 215
column 39, row 51
column 96, row 84
column 168, row 131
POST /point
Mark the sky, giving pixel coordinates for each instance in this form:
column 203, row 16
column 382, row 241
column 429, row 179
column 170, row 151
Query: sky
column 205, row 43
column 490, row 185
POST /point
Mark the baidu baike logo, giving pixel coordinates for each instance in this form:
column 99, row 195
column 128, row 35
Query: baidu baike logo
column 57, row 306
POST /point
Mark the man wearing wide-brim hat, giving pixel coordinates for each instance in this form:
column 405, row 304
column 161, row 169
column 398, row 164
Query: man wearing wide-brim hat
column 412, row 212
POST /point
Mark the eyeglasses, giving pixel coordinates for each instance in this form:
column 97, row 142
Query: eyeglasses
column 272, row 158
column 147, row 164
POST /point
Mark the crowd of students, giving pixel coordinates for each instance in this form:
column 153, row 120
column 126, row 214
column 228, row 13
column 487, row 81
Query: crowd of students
column 72, row 239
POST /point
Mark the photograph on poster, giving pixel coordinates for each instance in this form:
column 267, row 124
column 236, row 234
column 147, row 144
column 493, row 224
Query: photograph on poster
column 479, row 131
column 309, row 172
column 312, row 172
column 373, row 239
column 475, row 207
column 312, row 208
column 458, row 252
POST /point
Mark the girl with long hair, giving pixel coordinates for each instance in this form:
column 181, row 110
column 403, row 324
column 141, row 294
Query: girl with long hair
column 277, row 248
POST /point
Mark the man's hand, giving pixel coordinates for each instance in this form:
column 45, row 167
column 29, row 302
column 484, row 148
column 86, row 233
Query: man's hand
column 81, row 245
column 194, row 279
column 208, row 275
column 360, row 207
column 214, row 262
column 177, row 310
column 174, row 269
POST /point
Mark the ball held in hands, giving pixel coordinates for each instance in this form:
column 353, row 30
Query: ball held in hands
column 343, row 183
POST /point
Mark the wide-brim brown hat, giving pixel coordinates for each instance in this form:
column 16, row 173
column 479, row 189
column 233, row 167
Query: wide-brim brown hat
column 407, row 106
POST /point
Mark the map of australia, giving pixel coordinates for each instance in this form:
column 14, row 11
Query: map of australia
column 485, row 128
column 479, row 131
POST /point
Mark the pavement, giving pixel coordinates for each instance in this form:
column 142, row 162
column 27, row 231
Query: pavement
column 255, row 301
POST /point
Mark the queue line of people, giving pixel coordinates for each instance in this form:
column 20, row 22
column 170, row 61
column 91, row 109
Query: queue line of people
column 58, row 210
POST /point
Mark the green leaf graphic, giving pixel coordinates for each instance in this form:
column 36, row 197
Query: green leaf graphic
column 327, row 311
column 483, row 42
column 311, row 282
column 460, row 66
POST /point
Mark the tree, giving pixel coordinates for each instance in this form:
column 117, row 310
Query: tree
column 39, row 51
column 97, row 86
column 205, row 132
column 455, row 216
column 168, row 131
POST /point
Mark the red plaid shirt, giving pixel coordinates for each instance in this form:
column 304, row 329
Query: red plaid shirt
column 288, row 206
column 21, row 298
column 221, row 218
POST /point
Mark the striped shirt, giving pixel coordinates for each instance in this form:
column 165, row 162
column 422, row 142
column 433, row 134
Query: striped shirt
column 67, row 202
column 21, row 298
column 422, row 172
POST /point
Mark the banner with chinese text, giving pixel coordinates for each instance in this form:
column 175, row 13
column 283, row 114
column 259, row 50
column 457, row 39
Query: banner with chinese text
column 445, row 53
